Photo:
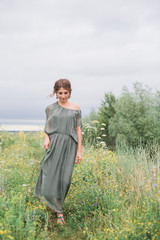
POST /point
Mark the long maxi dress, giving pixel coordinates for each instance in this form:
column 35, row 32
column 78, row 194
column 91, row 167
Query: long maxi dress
column 56, row 167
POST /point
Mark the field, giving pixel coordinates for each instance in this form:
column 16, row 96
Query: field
column 112, row 195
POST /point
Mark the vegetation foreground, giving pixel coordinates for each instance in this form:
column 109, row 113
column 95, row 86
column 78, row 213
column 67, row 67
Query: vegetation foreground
column 112, row 196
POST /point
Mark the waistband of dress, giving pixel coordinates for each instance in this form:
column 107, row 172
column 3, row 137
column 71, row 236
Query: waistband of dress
column 65, row 134
column 60, row 133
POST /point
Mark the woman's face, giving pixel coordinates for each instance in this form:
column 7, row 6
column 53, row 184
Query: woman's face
column 63, row 95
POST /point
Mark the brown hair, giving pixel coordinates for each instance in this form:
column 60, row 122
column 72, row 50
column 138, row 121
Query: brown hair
column 61, row 83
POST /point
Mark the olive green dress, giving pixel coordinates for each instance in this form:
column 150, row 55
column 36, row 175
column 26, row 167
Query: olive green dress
column 56, row 167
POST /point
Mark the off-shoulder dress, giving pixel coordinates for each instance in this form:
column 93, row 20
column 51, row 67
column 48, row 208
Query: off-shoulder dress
column 56, row 167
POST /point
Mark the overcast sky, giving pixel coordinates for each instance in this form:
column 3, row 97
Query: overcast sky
column 99, row 45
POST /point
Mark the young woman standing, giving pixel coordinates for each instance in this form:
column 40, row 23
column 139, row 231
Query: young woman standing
column 63, row 149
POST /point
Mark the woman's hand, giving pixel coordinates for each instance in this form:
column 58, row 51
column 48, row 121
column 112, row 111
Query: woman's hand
column 46, row 143
column 78, row 157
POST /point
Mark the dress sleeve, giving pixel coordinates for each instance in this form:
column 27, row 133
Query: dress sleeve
column 47, row 112
column 47, row 125
column 79, row 119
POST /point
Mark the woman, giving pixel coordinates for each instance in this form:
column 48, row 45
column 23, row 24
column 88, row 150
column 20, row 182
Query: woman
column 63, row 148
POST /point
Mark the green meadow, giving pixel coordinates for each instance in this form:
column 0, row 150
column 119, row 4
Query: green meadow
column 112, row 195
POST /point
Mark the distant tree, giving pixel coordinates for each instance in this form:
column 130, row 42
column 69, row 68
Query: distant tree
column 105, row 113
column 93, row 115
column 132, row 119
column 136, row 117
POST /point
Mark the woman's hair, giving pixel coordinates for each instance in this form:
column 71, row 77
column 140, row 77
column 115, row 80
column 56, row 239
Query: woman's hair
column 61, row 83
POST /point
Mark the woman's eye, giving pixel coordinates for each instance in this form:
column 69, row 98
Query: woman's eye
column 60, row 93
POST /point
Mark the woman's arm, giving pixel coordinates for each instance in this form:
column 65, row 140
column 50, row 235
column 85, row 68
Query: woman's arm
column 46, row 143
column 79, row 147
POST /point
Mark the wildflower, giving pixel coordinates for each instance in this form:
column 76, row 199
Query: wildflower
column 103, row 143
column 102, row 129
column 7, row 205
column 103, row 124
column 3, row 232
column 88, row 126
column 93, row 219
column 10, row 237
column 103, row 135
column 95, row 121
column 98, row 137
column 0, row 188
column 155, row 185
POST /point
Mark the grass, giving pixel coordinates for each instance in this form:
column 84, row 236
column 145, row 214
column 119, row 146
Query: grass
column 112, row 196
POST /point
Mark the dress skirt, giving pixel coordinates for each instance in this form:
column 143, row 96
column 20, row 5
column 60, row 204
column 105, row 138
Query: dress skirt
column 55, row 171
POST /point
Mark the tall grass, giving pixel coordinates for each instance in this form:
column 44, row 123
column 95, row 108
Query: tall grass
column 112, row 195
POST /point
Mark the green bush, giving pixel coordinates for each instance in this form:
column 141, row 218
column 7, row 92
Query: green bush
column 131, row 120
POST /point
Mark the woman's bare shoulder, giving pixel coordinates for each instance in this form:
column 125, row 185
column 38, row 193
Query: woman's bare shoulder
column 75, row 106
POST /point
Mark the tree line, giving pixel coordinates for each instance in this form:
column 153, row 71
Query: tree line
column 132, row 119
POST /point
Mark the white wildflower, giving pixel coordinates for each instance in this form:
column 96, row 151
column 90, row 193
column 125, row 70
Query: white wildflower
column 103, row 144
column 95, row 121
column 88, row 126
column 104, row 135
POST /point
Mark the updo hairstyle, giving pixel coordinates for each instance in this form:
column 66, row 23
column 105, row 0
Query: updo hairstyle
column 61, row 83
